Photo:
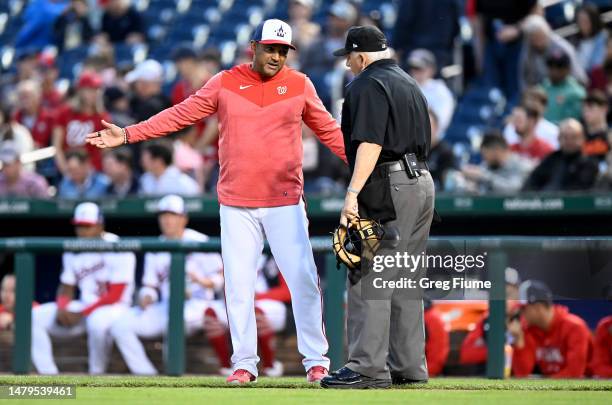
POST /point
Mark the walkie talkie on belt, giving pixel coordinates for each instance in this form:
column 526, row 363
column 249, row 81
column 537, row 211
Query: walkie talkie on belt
column 412, row 166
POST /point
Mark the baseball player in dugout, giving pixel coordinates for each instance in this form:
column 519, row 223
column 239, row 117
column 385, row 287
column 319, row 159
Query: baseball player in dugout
column 106, row 283
column 260, row 107
column 387, row 137
column 204, row 277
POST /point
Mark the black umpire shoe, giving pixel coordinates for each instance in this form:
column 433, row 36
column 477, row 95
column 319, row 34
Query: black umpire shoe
column 345, row 378
column 399, row 380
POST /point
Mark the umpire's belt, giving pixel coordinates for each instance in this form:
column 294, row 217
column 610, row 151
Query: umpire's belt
column 387, row 168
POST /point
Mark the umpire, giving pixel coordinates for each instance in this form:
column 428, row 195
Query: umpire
column 387, row 137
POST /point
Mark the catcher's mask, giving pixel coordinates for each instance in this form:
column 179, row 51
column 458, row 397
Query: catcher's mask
column 361, row 237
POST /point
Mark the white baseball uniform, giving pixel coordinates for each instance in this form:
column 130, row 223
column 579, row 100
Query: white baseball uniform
column 91, row 272
column 242, row 240
column 153, row 321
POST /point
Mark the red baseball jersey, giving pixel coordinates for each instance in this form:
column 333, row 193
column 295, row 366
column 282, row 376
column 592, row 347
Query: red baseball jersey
column 562, row 351
column 41, row 126
column 260, row 139
column 437, row 345
column 474, row 346
column 537, row 149
column 601, row 364
column 76, row 126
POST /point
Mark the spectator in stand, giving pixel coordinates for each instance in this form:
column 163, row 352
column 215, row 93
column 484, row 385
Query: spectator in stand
column 118, row 167
column 568, row 168
column 474, row 347
column 437, row 343
column 117, row 104
column 317, row 60
column 540, row 42
column 31, row 114
column 10, row 130
column 192, row 74
column 72, row 27
column 501, row 171
column 304, row 30
column 14, row 180
column 551, row 338
column 188, row 159
column 122, row 23
column 592, row 37
column 423, row 69
column 84, row 114
column 51, row 97
column 564, row 93
column 441, row 158
column 499, row 35
column 525, row 119
column 604, row 181
column 598, row 76
column 81, row 179
column 160, row 176
column 544, row 129
column 26, row 61
column 39, row 17
column 432, row 25
column 594, row 113
column 147, row 98
column 7, row 302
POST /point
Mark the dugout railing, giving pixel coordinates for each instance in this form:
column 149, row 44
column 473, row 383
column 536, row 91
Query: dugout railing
column 333, row 285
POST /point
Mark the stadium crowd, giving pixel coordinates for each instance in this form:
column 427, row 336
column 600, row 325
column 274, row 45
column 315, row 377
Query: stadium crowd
column 548, row 130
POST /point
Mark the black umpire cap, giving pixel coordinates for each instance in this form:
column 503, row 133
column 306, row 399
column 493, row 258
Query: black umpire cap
column 363, row 39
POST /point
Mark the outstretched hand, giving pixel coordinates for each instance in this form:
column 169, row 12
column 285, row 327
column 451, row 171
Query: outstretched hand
column 110, row 137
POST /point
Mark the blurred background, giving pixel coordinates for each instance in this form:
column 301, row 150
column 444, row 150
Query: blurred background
column 519, row 94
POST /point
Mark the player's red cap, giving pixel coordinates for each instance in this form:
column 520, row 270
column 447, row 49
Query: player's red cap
column 90, row 80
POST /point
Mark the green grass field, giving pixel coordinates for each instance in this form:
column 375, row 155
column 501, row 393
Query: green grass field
column 213, row 390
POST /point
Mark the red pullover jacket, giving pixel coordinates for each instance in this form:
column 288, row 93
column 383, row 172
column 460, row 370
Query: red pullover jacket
column 260, row 139
column 437, row 344
column 560, row 352
column 601, row 365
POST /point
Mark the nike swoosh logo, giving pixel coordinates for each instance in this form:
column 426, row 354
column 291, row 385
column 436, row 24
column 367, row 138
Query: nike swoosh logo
column 245, row 87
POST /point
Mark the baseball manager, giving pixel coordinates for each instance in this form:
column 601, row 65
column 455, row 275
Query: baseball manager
column 261, row 107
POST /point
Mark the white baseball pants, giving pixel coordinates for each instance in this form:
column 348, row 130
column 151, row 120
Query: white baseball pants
column 96, row 325
column 242, row 240
column 152, row 322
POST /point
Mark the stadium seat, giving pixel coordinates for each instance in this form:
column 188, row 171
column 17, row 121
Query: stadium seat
column 70, row 61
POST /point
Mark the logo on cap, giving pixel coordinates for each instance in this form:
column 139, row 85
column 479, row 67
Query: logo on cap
column 354, row 45
column 280, row 32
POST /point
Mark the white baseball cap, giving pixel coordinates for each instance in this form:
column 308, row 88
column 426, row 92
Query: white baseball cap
column 273, row 32
column 87, row 213
column 171, row 203
column 8, row 152
column 149, row 70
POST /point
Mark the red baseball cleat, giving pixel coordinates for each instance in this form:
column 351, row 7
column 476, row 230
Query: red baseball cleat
column 316, row 374
column 241, row 376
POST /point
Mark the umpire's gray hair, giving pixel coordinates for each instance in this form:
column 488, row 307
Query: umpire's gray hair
column 374, row 56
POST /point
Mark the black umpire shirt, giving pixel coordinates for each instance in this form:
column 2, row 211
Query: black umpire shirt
column 384, row 106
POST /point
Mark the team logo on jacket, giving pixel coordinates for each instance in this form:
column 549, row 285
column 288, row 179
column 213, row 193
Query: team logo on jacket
column 282, row 90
